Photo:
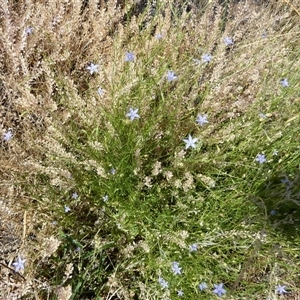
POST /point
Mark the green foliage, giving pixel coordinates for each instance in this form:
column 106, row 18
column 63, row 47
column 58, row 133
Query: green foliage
column 125, row 227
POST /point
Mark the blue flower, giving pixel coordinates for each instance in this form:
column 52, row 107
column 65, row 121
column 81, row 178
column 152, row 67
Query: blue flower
column 175, row 268
column 129, row 56
column 7, row 136
column 284, row 82
column 74, row 195
column 100, row 91
column 273, row 212
column 202, row 119
column 193, row 247
column 112, row 171
column 164, row 284
column 280, row 289
column 228, row 41
column 206, row 58
column 180, row 293
column 202, row 286
column 159, row 36
column 93, row 68
column 29, row 30
column 19, row 264
column 264, row 35
column 219, row 289
column 171, row 76
column 263, row 116
column 133, row 114
column 261, row 158
column 190, row 142
column 67, row 208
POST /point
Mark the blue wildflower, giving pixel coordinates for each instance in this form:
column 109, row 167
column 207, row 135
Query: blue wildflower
column 100, row 91
column 280, row 289
column 175, row 268
column 202, row 286
column 206, row 58
column 67, row 208
column 202, row 119
column 129, row 56
column 171, row 76
column 93, row 68
column 19, row 264
column 190, row 142
column 219, row 289
column 159, row 36
column 284, row 82
column 164, row 284
column 133, row 114
column 261, row 158
column 29, row 30
column 193, row 247
column 228, row 41
column 263, row 116
column 7, row 136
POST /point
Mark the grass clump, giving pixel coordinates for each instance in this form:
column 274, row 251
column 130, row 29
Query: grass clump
column 157, row 150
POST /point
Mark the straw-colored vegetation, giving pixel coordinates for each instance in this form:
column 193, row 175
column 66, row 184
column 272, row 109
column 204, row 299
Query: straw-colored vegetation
column 149, row 149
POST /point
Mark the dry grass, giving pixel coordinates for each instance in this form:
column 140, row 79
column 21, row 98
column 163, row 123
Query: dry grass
column 45, row 87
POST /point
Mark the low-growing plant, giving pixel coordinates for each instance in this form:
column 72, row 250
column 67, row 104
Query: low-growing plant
column 157, row 150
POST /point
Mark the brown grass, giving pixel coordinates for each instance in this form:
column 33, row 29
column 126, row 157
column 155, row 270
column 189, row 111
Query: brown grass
column 44, row 80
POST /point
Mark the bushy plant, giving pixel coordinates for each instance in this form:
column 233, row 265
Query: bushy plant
column 150, row 151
